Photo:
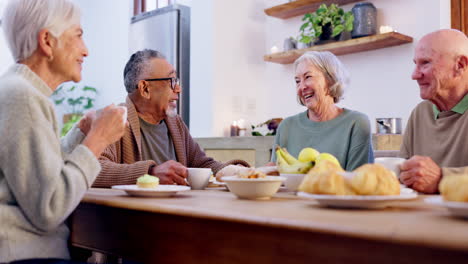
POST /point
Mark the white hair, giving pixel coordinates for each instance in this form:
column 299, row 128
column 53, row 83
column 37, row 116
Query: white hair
column 331, row 67
column 24, row 19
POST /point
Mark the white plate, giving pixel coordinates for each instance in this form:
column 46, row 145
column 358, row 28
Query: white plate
column 360, row 201
column 219, row 183
column 160, row 191
column 455, row 208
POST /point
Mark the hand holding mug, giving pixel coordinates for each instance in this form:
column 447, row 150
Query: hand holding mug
column 421, row 173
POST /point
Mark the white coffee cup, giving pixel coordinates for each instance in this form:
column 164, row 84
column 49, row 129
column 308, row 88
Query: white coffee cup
column 198, row 178
column 391, row 163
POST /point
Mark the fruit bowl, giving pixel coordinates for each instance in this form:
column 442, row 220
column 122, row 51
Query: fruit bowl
column 261, row 188
column 292, row 181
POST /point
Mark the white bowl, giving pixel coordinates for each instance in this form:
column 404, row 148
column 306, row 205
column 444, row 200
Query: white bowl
column 292, row 181
column 262, row 188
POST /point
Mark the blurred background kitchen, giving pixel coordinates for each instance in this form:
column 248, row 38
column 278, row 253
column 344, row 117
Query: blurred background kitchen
column 228, row 77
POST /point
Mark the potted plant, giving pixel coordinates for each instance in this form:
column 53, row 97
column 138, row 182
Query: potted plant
column 74, row 101
column 267, row 128
column 305, row 39
column 326, row 23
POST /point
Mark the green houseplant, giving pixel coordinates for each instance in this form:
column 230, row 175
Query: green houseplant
column 325, row 23
column 74, row 101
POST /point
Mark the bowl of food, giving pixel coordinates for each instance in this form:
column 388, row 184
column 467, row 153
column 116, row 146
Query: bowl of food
column 254, row 188
column 292, row 181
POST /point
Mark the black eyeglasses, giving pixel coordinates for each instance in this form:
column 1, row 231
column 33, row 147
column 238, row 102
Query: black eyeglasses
column 174, row 81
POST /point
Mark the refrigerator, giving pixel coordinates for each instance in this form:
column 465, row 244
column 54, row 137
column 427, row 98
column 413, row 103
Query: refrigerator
column 167, row 30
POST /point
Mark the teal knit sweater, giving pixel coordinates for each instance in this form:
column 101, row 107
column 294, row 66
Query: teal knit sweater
column 347, row 137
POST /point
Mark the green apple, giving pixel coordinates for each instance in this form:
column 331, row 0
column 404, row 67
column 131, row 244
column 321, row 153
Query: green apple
column 308, row 155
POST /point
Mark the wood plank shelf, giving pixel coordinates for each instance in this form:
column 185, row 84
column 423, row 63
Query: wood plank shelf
column 301, row 7
column 373, row 42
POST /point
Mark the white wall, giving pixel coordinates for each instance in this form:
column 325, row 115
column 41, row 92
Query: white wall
column 201, row 73
column 105, row 24
column 381, row 84
column 227, row 65
column 5, row 56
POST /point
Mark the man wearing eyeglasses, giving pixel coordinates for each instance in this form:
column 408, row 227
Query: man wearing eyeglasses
column 156, row 142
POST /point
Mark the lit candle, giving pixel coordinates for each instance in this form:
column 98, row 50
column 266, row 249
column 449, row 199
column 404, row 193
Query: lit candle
column 234, row 129
column 241, row 126
column 274, row 49
column 385, row 29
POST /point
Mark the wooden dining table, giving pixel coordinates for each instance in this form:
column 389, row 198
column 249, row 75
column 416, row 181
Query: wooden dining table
column 214, row 226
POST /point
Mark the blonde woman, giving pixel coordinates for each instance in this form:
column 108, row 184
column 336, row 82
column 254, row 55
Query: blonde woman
column 320, row 81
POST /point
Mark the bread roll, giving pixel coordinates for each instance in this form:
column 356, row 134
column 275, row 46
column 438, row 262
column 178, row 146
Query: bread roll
column 325, row 178
column 369, row 179
column 454, row 188
column 374, row 179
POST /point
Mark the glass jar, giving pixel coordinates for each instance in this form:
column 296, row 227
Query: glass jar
column 365, row 20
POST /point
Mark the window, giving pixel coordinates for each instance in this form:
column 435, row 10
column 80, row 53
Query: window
column 140, row 6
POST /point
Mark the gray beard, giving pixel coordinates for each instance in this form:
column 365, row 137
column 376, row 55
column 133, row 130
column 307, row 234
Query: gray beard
column 171, row 112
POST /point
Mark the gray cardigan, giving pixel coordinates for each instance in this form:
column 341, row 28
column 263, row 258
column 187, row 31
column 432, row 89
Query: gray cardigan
column 41, row 179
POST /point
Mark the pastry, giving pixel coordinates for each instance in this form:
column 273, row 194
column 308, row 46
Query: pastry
column 230, row 170
column 454, row 188
column 252, row 174
column 269, row 170
column 147, row 181
column 374, row 179
column 325, row 178
column 370, row 179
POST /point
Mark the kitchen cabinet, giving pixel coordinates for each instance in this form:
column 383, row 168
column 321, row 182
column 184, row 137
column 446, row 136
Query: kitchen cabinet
column 301, row 7
column 344, row 47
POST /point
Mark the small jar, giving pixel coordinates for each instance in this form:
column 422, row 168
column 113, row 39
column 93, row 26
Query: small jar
column 365, row 20
column 289, row 44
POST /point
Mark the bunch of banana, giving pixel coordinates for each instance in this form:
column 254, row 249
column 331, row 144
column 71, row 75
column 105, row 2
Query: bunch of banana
column 288, row 164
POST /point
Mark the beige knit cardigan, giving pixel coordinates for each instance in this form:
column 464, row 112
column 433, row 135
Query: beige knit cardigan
column 122, row 162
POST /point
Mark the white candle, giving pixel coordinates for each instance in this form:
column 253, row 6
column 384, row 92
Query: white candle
column 274, row 49
column 385, row 29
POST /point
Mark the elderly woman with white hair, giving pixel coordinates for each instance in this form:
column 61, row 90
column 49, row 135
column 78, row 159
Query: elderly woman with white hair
column 320, row 81
column 42, row 179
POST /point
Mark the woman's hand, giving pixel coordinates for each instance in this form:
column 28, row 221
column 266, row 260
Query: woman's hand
column 107, row 127
column 85, row 122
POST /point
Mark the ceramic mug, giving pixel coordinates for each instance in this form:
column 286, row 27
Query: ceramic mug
column 391, row 163
column 198, row 178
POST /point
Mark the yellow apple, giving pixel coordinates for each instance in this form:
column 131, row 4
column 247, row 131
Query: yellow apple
column 326, row 156
column 308, row 155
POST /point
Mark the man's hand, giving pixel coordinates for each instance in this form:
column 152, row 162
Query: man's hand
column 170, row 172
column 421, row 173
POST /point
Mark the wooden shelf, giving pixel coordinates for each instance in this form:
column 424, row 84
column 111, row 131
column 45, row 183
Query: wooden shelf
column 373, row 42
column 301, row 7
